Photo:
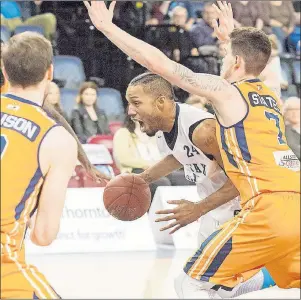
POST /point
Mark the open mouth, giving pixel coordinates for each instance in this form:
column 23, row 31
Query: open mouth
column 141, row 124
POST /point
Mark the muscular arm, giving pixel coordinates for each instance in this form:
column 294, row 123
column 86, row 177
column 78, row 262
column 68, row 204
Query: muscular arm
column 210, row 86
column 204, row 137
column 57, row 160
column 164, row 167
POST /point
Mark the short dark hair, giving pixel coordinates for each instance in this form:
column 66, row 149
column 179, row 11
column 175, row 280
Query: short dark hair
column 26, row 58
column 155, row 85
column 254, row 46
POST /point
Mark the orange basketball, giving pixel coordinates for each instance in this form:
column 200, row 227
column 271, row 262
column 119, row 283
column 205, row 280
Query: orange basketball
column 127, row 197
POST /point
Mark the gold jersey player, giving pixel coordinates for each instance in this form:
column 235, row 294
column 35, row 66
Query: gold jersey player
column 38, row 157
column 256, row 157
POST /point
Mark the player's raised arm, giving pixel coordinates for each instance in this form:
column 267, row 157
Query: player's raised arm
column 213, row 87
column 58, row 157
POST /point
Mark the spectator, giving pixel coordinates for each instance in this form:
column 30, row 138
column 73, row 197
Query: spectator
column 282, row 19
column 134, row 151
column 87, row 119
column 181, row 39
column 54, row 98
column 251, row 14
column 202, row 33
column 294, row 37
column 272, row 75
column 291, row 111
column 14, row 14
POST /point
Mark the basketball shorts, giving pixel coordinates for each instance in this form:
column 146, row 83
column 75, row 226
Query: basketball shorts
column 23, row 281
column 265, row 233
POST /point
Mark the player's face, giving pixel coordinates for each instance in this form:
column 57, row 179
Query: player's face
column 89, row 97
column 143, row 110
column 228, row 63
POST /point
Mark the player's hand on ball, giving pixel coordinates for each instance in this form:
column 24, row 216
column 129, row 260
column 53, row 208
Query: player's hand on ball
column 99, row 14
column 185, row 213
column 223, row 29
column 97, row 175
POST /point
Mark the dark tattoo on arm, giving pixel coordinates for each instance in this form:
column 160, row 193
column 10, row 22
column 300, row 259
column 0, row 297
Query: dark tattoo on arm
column 207, row 82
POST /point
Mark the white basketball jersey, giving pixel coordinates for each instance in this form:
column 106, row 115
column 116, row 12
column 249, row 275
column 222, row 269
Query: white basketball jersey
column 199, row 167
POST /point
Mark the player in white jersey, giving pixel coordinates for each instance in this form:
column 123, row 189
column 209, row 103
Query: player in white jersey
column 186, row 138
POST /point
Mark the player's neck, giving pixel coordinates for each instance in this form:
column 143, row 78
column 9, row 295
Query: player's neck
column 32, row 94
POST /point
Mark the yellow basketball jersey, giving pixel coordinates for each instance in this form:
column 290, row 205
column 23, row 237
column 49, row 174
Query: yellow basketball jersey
column 24, row 124
column 255, row 154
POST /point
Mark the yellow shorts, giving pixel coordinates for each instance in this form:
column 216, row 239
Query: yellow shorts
column 22, row 281
column 265, row 233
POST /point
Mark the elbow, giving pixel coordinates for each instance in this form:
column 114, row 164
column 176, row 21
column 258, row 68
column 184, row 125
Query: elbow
column 43, row 237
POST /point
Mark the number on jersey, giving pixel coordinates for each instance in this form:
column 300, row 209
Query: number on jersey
column 191, row 151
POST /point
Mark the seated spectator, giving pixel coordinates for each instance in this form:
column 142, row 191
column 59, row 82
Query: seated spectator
column 87, row 119
column 282, row 19
column 291, row 113
column 54, row 98
column 14, row 14
column 294, row 37
column 134, row 151
column 272, row 75
column 251, row 14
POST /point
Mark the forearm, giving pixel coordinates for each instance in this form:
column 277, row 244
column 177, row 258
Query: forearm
column 164, row 167
column 225, row 194
column 143, row 53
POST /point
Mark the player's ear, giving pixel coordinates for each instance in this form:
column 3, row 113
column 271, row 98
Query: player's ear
column 50, row 73
column 238, row 62
column 160, row 102
column 4, row 73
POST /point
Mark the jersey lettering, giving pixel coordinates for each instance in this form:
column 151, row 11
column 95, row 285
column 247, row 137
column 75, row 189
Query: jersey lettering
column 263, row 100
column 27, row 128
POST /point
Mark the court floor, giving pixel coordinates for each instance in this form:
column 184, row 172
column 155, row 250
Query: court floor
column 124, row 275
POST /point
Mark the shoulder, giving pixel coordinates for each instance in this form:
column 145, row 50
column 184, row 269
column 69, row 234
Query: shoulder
column 204, row 134
column 58, row 138
column 122, row 132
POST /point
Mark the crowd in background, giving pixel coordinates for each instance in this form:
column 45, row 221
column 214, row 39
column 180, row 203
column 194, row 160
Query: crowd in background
column 183, row 31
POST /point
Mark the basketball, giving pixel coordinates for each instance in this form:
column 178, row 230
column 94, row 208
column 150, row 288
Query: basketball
column 127, row 197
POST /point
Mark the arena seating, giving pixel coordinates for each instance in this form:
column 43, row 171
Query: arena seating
column 5, row 33
column 68, row 100
column 34, row 28
column 69, row 70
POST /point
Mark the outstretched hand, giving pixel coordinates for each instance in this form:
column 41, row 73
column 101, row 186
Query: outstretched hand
column 185, row 213
column 225, row 26
column 99, row 14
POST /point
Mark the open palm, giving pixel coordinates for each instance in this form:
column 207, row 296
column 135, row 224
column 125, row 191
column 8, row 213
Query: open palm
column 99, row 14
column 225, row 26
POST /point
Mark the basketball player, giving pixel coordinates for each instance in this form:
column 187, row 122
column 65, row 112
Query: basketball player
column 38, row 156
column 250, row 134
column 186, row 138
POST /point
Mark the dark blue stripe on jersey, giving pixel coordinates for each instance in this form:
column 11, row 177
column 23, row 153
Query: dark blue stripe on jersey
column 226, row 149
column 191, row 262
column 242, row 141
column 21, row 99
column 59, row 297
column 32, row 184
column 35, row 296
column 217, row 261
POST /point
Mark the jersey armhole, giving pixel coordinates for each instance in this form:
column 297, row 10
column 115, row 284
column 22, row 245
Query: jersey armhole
column 191, row 131
column 39, row 148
